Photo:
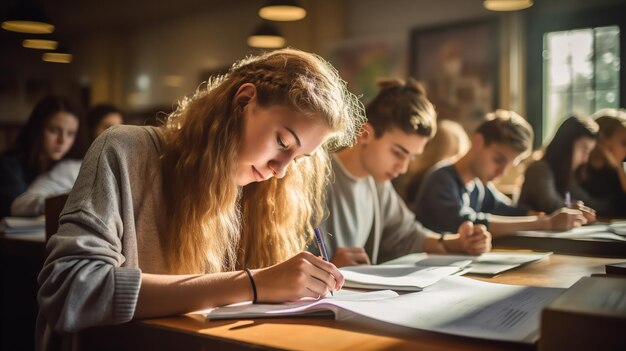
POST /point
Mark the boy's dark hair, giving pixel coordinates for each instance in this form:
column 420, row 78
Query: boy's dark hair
column 508, row 128
column 402, row 104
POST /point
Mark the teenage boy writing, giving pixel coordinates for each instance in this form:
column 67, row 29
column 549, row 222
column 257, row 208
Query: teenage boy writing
column 368, row 222
column 462, row 191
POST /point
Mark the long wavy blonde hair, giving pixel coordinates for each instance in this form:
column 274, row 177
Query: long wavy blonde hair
column 214, row 225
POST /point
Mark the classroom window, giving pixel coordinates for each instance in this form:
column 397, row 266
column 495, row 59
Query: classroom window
column 581, row 73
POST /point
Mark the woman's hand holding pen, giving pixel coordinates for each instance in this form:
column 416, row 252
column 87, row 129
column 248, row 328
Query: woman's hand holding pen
column 350, row 256
column 565, row 219
column 588, row 212
column 303, row 275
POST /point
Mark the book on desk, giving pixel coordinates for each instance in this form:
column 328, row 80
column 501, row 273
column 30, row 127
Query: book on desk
column 454, row 305
column 589, row 315
column 17, row 225
column 442, row 303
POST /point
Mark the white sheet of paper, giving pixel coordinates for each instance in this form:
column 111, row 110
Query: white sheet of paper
column 454, row 305
column 14, row 225
column 615, row 231
column 249, row 310
column 396, row 277
column 466, row 307
column 487, row 263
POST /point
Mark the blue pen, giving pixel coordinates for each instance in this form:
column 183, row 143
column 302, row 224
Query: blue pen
column 321, row 246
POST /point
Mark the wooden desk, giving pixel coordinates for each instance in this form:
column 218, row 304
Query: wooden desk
column 193, row 332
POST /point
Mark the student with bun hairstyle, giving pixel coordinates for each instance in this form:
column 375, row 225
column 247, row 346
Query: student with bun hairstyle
column 368, row 222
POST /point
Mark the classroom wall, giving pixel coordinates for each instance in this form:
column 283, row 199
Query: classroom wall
column 158, row 63
column 173, row 51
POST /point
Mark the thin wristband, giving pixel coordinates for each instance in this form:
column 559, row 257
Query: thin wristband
column 247, row 270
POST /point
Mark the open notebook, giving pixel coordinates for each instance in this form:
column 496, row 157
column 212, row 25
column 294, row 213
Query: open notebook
column 454, row 305
column 400, row 277
column 490, row 263
column 15, row 225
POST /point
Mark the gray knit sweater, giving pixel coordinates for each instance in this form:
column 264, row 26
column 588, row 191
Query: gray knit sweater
column 108, row 235
column 369, row 215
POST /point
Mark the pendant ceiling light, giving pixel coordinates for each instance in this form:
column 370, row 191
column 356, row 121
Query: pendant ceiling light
column 43, row 44
column 27, row 18
column 507, row 5
column 61, row 55
column 285, row 10
column 266, row 36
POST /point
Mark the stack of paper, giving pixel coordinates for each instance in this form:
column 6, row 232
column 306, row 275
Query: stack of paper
column 396, row 277
column 490, row 263
column 454, row 305
column 615, row 231
column 16, row 225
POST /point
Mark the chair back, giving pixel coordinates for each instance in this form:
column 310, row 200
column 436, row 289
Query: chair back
column 53, row 207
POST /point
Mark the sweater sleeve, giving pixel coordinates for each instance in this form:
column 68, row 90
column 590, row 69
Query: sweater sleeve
column 84, row 282
column 539, row 190
column 401, row 233
column 501, row 205
column 442, row 206
column 58, row 181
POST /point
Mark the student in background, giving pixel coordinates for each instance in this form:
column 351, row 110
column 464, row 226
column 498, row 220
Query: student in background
column 463, row 191
column 367, row 220
column 168, row 220
column 101, row 117
column 604, row 177
column 44, row 161
column 448, row 145
column 550, row 183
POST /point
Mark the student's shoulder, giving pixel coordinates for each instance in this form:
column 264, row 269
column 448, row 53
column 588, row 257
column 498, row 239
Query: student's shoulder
column 442, row 173
column 131, row 134
column 129, row 138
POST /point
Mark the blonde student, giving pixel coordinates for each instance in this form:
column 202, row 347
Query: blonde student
column 448, row 145
column 368, row 222
column 214, row 208
column 463, row 191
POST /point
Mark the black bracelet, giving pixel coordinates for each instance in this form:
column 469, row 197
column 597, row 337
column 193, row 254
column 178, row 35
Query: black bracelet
column 252, row 283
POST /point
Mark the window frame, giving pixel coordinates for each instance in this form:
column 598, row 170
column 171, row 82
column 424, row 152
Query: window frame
column 539, row 23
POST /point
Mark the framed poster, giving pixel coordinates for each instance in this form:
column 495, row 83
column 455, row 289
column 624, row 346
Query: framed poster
column 458, row 63
column 361, row 62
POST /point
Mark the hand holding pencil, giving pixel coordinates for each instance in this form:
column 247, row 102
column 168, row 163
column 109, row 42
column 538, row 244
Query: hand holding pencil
column 304, row 275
